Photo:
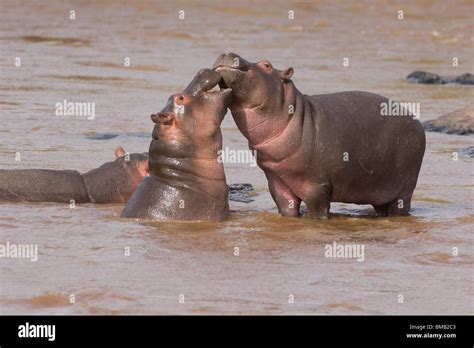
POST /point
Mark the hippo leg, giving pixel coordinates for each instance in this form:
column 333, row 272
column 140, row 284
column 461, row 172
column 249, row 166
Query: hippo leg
column 400, row 206
column 381, row 210
column 288, row 204
column 318, row 201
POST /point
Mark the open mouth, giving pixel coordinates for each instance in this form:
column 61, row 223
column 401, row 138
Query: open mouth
column 203, row 82
column 229, row 74
column 218, row 88
column 227, row 67
column 221, row 90
column 222, row 85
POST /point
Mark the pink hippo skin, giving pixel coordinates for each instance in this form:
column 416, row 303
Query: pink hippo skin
column 323, row 148
column 187, row 181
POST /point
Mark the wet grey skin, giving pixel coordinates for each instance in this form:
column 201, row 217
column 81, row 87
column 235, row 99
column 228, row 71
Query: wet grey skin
column 323, row 148
column 186, row 182
column 113, row 182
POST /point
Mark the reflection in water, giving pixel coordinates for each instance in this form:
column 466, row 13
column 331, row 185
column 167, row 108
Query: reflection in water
column 254, row 261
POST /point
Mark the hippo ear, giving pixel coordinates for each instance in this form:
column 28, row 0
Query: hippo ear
column 119, row 152
column 144, row 168
column 163, row 118
column 286, row 74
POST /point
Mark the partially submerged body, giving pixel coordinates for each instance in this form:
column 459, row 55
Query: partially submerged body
column 186, row 182
column 113, row 182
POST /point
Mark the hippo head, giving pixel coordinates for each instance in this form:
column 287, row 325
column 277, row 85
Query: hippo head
column 116, row 181
column 138, row 161
column 252, row 83
column 136, row 164
column 189, row 124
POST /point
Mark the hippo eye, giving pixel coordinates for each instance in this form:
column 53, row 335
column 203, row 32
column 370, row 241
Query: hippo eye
column 181, row 98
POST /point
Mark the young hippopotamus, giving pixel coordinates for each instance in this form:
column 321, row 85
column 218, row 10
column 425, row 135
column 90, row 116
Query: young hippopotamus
column 113, row 182
column 323, row 148
column 187, row 181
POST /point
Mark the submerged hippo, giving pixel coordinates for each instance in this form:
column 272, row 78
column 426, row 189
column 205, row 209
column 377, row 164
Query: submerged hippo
column 113, row 182
column 431, row 78
column 323, row 148
column 186, row 182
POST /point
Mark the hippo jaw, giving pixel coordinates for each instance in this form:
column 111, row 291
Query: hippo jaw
column 232, row 68
column 202, row 87
column 197, row 90
column 262, row 95
column 231, row 61
column 253, row 84
column 230, row 76
column 221, row 99
column 204, row 81
column 190, row 122
column 239, row 81
column 224, row 96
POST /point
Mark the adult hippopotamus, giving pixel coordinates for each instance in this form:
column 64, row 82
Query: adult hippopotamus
column 113, row 182
column 323, row 148
column 186, row 182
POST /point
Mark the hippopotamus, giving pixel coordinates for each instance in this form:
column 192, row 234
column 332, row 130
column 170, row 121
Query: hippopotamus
column 426, row 77
column 112, row 182
column 323, row 148
column 187, row 181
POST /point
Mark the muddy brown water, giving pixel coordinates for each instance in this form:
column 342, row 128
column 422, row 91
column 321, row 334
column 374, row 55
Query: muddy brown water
column 82, row 250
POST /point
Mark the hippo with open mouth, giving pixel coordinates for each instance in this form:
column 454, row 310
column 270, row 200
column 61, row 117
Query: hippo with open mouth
column 323, row 148
column 187, row 181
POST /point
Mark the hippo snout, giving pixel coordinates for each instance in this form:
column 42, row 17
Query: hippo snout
column 205, row 80
column 231, row 60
